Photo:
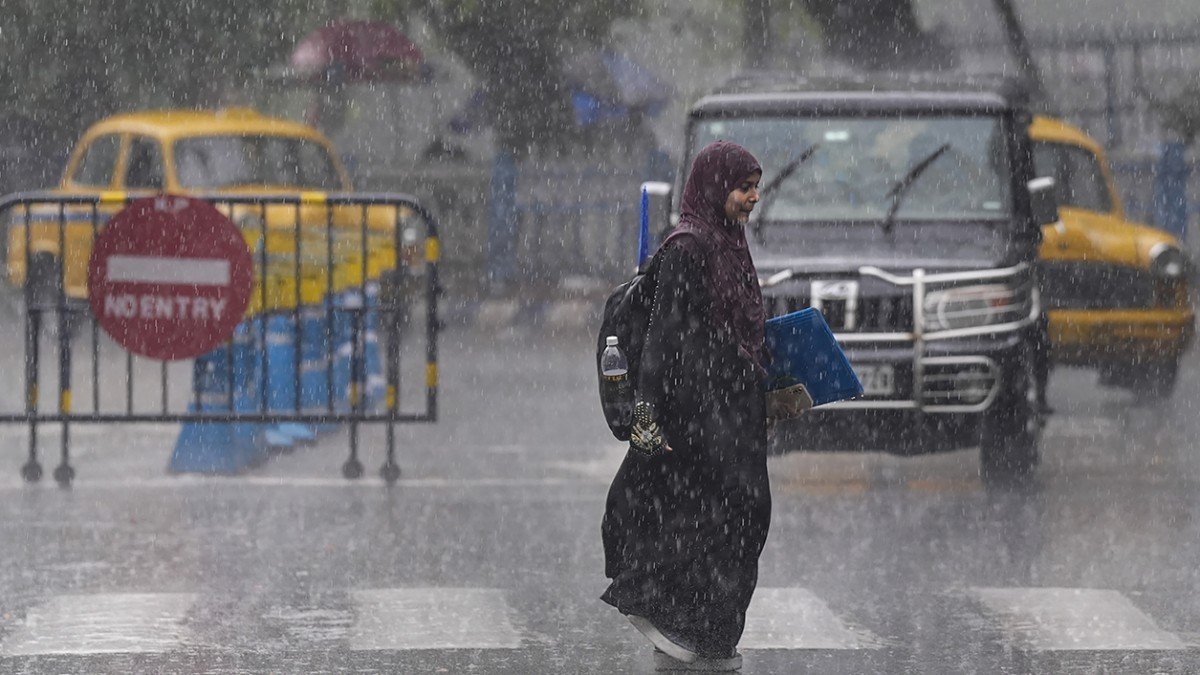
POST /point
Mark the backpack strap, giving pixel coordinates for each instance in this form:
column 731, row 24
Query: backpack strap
column 645, row 432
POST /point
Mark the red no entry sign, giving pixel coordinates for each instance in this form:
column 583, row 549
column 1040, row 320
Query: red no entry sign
column 169, row 277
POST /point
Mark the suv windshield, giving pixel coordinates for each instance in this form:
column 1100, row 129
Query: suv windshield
column 225, row 161
column 859, row 162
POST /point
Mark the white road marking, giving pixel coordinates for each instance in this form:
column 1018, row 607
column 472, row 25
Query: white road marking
column 313, row 624
column 1047, row 619
column 794, row 618
column 432, row 618
column 104, row 623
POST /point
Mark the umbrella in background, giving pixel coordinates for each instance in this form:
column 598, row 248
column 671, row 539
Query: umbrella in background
column 606, row 85
column 637, row 86
column 356, row 51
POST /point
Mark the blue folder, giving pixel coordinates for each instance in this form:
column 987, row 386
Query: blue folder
column 804, row 351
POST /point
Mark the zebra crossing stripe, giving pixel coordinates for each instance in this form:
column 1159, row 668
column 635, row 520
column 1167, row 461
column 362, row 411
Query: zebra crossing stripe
column 1049, row 619
column 432, row 618
column 1035, row 619
column 105, row 623
column 794, row 618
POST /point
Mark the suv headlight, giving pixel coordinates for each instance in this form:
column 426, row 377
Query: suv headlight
column 969, row 307
column 1168, row 262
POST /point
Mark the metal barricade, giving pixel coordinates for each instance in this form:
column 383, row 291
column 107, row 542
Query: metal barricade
column 342, row 283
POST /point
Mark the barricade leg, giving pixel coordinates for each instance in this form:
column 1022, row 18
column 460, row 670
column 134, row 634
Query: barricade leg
column 353, row 468
column 281, row 339
column 32, row 469
column 390, row 471
column 391, row 316
column 64, row 473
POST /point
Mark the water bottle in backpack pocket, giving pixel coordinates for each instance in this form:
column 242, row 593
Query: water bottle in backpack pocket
column 616, row 387
column 624, row 321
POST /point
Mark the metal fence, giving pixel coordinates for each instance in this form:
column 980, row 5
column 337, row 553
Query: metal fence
column 1107, row 82
column 576, row 220
column 458, row 194
column 344, row 285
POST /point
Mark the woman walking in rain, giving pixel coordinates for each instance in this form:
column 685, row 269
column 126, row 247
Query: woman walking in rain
column 688, row 511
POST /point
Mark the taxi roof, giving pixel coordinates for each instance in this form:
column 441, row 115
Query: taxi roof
column 166, row 124
column 1053, row 129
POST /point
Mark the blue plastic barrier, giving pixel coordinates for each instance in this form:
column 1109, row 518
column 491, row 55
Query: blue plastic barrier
column 222, row 447
column 263, row 353
column 345, row 306
column 315, row 359
column 375, row 388
column 280, row 351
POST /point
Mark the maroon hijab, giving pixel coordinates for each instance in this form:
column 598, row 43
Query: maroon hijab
column 703, row 231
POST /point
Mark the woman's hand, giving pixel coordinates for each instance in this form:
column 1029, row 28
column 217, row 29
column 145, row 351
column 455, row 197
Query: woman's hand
column 645, row 436
column 788, row 403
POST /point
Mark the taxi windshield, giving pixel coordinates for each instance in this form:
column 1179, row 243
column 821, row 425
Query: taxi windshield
column 208, row 162
column 940, row 168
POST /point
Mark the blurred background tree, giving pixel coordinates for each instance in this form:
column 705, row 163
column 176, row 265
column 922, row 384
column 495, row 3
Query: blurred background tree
column 67, row 63
column 877, row 34
column 517, row 50
column 868, row 34
column 1178, row 109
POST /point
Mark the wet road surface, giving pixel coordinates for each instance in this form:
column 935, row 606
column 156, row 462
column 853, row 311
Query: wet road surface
column 486, row 556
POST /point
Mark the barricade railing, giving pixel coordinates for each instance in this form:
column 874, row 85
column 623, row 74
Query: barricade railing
column 345, row 285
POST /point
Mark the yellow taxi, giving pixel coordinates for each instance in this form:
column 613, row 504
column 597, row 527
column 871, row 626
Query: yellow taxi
column 1117, row 292
column 231, row 152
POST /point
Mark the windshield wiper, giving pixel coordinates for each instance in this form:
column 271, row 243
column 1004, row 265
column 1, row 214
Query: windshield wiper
column 785, row 173
column 900, row 189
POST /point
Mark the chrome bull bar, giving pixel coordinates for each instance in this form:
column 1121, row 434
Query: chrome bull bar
column 919, row 335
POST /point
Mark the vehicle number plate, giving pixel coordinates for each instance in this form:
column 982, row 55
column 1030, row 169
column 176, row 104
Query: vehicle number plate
column 877, row 379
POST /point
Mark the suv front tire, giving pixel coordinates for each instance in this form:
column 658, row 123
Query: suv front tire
column 1011, row 429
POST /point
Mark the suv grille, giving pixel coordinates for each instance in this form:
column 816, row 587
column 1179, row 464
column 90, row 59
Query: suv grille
column 952, row 381
column 873, row 314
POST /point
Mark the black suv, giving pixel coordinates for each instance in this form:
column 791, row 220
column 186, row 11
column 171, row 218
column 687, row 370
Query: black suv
column 906, row 211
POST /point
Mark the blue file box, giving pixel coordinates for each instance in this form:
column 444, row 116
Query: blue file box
column 804, row 351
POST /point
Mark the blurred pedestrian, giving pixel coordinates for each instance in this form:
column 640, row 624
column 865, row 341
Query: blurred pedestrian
column 688, row 511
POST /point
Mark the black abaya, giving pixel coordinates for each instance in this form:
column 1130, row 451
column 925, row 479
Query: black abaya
column 682, row 532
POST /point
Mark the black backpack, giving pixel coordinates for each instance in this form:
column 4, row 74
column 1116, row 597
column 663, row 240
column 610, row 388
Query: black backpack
column 626, row 315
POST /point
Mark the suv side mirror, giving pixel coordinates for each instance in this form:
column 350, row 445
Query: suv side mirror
column 656, row 200
column 1043, row 201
